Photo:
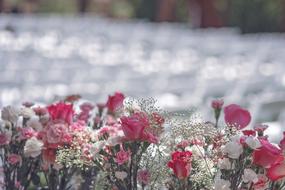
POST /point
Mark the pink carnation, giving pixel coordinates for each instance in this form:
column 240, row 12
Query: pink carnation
column 217, row 104
column 56, row 132
column 122, row 156
column 4, row 139
column 27, row 132
column 14, row 159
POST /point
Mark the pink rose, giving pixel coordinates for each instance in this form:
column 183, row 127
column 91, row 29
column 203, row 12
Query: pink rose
column 134, row 125
column 122, row 156
column 4, row 139
column 61, row 111
column 266, row 155
column 217, row 104
column 236, row 116
column 277, row 170
column 56, row 132
column 144, row 177
column 114, row 102
column 14, row 159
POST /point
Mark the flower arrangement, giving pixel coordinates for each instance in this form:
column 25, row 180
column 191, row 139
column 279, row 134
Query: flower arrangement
column 130, row 144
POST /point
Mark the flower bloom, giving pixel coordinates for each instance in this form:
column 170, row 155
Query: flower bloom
column 221, row 184
column 262, row 183
column 253, row 142
column 134, row 125
column 56, row 132
column 121, row 175
column 266, row 155
column 144, row 177
column 10, row 114
column 122, row 156
column 14, row 159
column 27, row 132
column 33, row 147
column 61, row 111
column 236, row 116
column 181, row 164
column 249, row 176
column 225, row 164
column 233, row 149
column 114, row 102
column 4, row 139
column 277, row 170
column 217, row 104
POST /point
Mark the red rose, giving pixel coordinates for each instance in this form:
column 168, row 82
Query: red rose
column 181, row 164
column 61, row 111
column 236, row 116
column 266, row 155
column 115, row 101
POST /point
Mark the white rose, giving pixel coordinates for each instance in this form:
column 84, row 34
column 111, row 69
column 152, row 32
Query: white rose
column 233, row 149
column 33, row 147
column 225, row 164
column 249, row 176
column 121, row 175
column 10, row 113
column 221, row 184
column 253, row 142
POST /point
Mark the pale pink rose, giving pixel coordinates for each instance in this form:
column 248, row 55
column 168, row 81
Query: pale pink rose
column 56, row 132
column 5, row 138
column 27, row 132
column 122, row 156
column 144, row 177
column 14, row 159
column 262, row 183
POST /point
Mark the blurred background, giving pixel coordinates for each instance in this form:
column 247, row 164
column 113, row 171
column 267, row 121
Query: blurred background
column 184, row 53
